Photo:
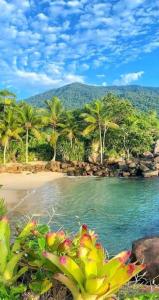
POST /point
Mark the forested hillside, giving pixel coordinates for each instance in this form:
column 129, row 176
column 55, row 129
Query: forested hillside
column 76, row 95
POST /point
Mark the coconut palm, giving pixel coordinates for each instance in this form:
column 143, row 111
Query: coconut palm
column 53, row 121
column 31, row 122
column 70, row 127
column 9, row 130
column 98, row 121
column 6, row 99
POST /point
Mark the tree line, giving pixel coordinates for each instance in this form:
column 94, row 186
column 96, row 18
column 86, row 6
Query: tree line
column 109, row 126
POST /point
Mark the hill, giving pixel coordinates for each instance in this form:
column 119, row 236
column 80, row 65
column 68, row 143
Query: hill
column 75, row 95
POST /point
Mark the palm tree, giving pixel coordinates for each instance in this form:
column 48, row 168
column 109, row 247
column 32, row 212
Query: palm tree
column 9, row 130
column 98, row 121
column 70, row 128
column 53, row 121
column 31, row 122
column 6, row 99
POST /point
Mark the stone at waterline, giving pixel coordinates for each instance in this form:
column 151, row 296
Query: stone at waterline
column 146, row 250
column 149, row 174
column 156, row 149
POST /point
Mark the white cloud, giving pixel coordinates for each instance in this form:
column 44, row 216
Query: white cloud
column 104, row 83
column 62, row 39
column 128, row 78
column 33, row 78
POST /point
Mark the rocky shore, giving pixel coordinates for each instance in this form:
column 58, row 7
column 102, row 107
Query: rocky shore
column 145, row 166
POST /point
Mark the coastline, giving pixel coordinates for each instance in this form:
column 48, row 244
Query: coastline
column 17, row 186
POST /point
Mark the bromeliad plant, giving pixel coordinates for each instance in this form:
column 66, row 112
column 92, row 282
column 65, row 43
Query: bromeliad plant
column 85, row 268
column 10, row 256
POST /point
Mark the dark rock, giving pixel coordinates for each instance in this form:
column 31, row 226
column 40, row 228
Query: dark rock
column 146, row 250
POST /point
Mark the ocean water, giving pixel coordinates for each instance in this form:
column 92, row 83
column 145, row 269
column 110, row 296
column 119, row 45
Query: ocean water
column 119, row 210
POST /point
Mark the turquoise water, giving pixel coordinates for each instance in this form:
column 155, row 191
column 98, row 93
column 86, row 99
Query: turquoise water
column 120, row 210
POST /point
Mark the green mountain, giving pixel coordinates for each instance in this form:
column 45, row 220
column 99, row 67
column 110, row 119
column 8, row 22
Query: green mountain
column 75, row 95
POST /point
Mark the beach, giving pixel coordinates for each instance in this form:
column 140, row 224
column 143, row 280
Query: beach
column 17, row 186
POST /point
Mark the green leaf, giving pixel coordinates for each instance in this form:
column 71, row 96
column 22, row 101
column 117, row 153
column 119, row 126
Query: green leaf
column 42, row 243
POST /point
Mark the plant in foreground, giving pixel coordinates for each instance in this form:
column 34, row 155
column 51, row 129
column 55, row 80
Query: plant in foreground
column 10, row 256
column 85, row 269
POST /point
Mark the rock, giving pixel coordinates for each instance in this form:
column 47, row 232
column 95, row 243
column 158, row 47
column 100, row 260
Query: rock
column 147, row 155
column 146, row 250
column 132, row 165
column 150, row 174
column 126, row 174
column 156, row 159
column 99, row 173
column 156, row 148
column 144, row 168
column 55, row 166
column 87, row 168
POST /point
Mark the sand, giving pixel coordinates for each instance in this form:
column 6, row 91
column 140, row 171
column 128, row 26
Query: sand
column 16, row 186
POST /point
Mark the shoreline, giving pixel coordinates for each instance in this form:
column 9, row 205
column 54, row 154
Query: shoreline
column 17, row 186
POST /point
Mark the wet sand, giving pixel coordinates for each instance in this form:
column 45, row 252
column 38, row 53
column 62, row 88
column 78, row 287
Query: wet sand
column 15, row 187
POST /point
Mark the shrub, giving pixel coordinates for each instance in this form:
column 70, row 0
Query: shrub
column 66, row 153
column 79, row 262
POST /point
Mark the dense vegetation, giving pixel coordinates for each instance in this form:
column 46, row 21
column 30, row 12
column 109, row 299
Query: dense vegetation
column 76, row 95
column 107, row 127
column 37, row 257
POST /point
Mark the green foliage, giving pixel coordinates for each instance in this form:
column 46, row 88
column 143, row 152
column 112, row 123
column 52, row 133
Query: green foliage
column 85, row 268
column 78, row 261
column 11, row 256
column 11, row 293
column 30, row 134
column 3, row 208
column 76, row 153
column 76, row 95
column 150, row 296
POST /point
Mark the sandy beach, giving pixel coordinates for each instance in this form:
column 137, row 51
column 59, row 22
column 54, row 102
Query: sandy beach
column 16, row 186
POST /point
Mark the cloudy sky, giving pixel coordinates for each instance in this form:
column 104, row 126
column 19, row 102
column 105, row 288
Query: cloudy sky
column 45, row 44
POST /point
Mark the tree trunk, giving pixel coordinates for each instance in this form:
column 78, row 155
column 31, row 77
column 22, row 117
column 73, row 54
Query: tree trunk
column 26, row 146
column 54, row 157
column 104, row 137
column 71, row 141
column 101, row 148
column 4, row 153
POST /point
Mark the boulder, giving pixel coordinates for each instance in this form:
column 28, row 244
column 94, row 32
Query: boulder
column 146, row 250
column 125, row 174
column 147, row 155
column 132, row 165
column 144, row 168
column 150, row 174
column 156, row 159
column 55, row 166
column 156, row 148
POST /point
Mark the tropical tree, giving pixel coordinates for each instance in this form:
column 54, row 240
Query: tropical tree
column 53, row 120
column 6, row 99
column 70, row 127
column 98, row 121
column 9, row 130
column 31, row 122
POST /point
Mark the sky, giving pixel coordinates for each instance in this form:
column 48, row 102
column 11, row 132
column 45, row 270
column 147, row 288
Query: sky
column 45, row 44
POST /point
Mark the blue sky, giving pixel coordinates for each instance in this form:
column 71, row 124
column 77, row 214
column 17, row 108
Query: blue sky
column 45, row 44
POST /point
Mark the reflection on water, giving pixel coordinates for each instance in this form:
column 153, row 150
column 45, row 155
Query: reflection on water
column 120, row 210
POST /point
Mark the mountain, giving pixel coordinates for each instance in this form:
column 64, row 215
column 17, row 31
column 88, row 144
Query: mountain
column 75, row 95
